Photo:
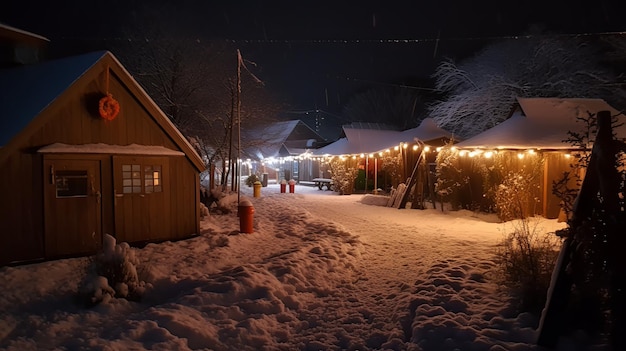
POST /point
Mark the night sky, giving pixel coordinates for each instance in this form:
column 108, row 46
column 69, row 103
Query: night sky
column 316, row 54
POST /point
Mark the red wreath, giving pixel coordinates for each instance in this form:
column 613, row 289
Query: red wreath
column 108, row 107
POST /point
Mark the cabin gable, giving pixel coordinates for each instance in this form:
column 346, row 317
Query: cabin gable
column 68, row 141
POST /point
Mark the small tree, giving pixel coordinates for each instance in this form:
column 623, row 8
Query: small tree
column 112, row 273
column 566, row 188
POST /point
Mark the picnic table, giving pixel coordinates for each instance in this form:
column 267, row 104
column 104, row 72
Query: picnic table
column 321, row 182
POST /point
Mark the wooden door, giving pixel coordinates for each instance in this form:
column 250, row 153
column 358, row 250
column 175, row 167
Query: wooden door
column 72, row 207
column 141, row 198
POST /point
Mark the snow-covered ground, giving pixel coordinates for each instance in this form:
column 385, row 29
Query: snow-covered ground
column 320, row 272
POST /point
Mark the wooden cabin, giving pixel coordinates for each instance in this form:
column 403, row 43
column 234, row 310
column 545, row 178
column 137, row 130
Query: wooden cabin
column 73, row 170
column 367, row 147
column 533, row 136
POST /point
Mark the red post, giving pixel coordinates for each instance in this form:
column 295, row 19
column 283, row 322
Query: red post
column 292, row 186
column 246, row 217
column 283, row 186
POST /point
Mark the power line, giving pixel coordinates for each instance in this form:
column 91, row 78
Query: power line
column 404, row 86
column 419, row 40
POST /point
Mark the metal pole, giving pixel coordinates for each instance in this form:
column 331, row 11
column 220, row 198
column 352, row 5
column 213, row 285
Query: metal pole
column 375, row 175
column 238, row 123
column 367, row 157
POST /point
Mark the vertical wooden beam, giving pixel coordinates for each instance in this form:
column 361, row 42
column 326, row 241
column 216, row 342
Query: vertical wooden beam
column 546, row 180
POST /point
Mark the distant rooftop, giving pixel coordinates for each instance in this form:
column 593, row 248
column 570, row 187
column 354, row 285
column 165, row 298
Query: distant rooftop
column 369, row 125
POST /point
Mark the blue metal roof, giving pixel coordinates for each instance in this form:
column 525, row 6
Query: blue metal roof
column 27, row 90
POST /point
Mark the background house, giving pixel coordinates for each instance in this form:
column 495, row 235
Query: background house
column 535, row 134
column 385, row 157
column 277, row 150
column 69, row 176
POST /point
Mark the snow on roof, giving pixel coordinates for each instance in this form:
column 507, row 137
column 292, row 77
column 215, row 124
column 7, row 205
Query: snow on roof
column 427, row 130
column 540, row 123
column 358, row 141
column 132, row 149
column 27, row 90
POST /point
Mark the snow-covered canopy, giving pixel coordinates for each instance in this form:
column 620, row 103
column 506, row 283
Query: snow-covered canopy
column 364, row 141
column 540, row 123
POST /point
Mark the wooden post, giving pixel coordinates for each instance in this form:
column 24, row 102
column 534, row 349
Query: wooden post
column 411, row 180
column 601, row 178
column 551, row 322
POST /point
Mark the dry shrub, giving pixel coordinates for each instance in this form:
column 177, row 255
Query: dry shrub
column 527, row 258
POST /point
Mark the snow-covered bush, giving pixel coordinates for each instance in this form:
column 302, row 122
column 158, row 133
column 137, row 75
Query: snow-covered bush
column 251, row 179
column 392, row 165
column 516, row 196
column 112, row 273
column 450, row 178
column 204, row 211
column 343, row 176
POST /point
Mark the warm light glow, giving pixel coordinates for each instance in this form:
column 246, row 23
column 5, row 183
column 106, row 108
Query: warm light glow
column 462, row 152
column 531, row 151
column 362, row 155
column 395, row 148
column 567, row 155
column 488, row 154
column 520, row 155
column 388, row 150
column 354, row 157
column 415, row 147
column 472, row 154
column 454, row 148
column 380, row 154
column 371, row 155
column 426, row 148
column 405, row 145
column 438, row 149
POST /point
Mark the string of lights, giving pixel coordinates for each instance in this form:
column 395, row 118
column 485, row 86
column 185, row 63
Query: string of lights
column 367, row 41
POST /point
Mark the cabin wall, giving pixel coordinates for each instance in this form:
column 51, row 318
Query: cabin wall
column 21, row 208
column 185, row 199
column 556, row 165
column 483, row 171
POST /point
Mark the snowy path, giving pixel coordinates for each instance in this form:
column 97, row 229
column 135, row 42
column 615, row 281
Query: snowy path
column 320, row 272
column 407, row 261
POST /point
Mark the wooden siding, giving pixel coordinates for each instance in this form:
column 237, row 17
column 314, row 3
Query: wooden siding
column 546, row 203
column 21, row 208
